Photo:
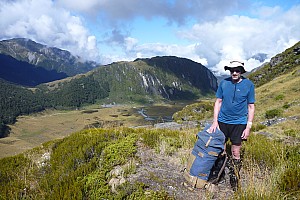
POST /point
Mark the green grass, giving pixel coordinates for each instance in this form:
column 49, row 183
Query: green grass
column 279, row 95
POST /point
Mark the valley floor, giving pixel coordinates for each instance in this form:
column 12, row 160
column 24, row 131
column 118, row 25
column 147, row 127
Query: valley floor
column 33, row 130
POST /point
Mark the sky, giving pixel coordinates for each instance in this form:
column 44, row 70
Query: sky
column 210, row 32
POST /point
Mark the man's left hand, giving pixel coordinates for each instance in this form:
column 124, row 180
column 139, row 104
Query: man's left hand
column 246, row 134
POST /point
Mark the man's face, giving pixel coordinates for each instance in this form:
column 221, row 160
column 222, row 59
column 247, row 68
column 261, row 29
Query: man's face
column 235, row 74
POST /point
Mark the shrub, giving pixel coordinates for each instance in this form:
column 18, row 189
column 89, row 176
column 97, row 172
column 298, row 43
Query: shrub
column 13, row 176
column 286, row 106
column 195, row 112
column 257, row 127
column 279, row 97
column 273, row 113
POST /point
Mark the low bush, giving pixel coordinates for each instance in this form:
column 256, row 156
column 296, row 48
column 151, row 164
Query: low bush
column 286, row 106
column 273, row 113
column 195, row 112
column 14, row 178
column 279, row 97
column 258, row 127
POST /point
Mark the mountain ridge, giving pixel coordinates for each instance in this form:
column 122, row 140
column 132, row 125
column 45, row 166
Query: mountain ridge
column 28, row 74
column 280, row 64
column 41, row 56
column 134, row 80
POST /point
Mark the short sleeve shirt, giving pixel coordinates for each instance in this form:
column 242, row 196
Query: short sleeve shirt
column 235, row 99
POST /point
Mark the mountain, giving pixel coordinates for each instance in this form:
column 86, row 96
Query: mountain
column 144, row 80
column 29, row 57
column 280, row 64
column 145, row 163
column 24, row 73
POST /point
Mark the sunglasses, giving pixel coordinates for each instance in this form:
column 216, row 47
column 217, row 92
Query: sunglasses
column 235, row 70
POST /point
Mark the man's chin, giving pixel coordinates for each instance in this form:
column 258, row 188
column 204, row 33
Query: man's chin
column 235, row 78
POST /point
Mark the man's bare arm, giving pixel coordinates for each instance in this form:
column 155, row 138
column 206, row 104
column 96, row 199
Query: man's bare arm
column 217, row 108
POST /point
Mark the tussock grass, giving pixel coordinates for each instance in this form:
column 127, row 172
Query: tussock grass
column 281, row 94
column 271, row 170
column 168, row 141
column 266, row 153
column 80, row 166
column 258, row 183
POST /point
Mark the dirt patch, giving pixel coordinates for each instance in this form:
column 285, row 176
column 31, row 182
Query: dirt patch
column 162, row 172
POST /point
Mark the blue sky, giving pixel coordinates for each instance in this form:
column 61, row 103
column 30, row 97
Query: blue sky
column 209, row 32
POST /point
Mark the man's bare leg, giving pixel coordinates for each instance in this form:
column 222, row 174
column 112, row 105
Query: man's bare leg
column 234, row 166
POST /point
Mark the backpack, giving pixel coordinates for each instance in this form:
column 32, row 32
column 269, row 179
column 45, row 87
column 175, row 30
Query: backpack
column 202, row 167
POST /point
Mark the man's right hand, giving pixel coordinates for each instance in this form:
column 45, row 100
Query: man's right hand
column 213, row 127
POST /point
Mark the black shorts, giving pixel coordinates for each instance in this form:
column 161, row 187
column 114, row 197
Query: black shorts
column 233, row 132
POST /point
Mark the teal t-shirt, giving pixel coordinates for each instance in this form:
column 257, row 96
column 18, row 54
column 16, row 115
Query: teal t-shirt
column 235, row 99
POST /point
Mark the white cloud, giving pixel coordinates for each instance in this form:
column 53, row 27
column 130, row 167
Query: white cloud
column 157, row 49
column 216, row 36
column 240, row 37
column 215, row 43
column 44, row 22
column 130, row 43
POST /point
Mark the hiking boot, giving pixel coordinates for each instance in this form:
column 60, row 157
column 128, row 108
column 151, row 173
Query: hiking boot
column 217, row 173
column 234, row 166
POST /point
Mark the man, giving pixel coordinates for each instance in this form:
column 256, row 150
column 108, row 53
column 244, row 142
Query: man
column 234, row 113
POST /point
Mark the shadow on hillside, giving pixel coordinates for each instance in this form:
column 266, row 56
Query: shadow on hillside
column 4, row 131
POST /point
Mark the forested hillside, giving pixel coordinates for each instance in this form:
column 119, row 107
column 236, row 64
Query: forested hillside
column 16, row 100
